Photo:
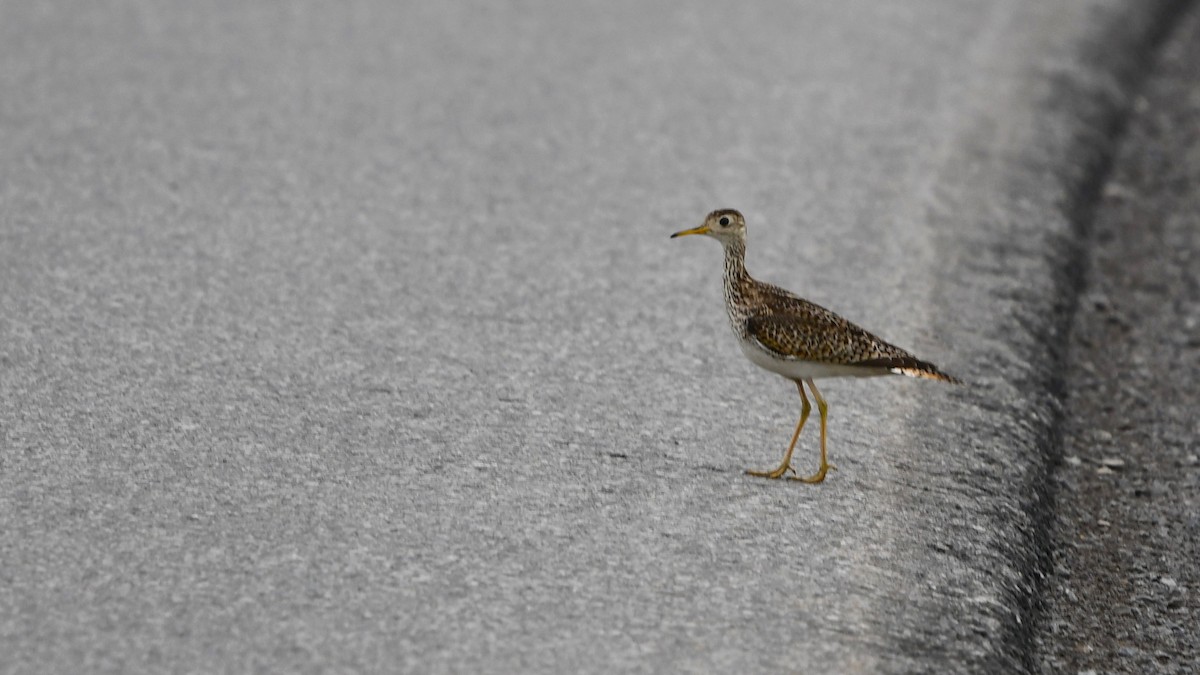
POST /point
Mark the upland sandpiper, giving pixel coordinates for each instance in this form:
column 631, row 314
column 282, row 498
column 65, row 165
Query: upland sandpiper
column 797, row 339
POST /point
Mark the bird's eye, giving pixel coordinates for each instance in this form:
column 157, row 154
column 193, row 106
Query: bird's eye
column 724, row 221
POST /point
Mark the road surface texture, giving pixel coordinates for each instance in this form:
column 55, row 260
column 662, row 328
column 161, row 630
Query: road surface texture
column 348, row 336
column 1125, row 593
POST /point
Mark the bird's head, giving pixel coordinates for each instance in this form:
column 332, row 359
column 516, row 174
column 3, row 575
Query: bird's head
column 724, row 225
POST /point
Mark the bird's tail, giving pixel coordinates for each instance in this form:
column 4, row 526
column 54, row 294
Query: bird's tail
column 913, row 367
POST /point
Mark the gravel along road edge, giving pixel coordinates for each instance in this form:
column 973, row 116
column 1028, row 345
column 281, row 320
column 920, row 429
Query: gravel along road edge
column 1122, row 596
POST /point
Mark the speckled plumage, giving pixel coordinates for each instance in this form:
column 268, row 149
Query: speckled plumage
column 792, row 337
column 792, row 328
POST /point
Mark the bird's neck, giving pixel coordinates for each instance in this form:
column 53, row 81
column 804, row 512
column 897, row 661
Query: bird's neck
column 738, row 283
column 735, row 262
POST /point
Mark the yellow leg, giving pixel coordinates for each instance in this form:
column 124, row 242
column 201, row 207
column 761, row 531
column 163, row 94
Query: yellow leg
column 786, row 465
column 825, row 465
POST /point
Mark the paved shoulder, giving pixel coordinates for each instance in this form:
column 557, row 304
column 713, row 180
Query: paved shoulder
column 1125, row 593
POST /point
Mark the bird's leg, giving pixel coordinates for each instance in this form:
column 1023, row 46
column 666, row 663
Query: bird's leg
column 786, row 465
column 825, row 467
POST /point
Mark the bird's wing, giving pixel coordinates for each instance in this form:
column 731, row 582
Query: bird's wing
column 813, row 333
column 822, row 336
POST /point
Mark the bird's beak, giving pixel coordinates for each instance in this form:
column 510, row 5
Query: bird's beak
column 703, row 229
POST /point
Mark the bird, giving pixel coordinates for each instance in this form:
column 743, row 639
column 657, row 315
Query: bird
column 799, row 340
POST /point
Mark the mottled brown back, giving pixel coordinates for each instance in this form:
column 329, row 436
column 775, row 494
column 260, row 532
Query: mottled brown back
column 796, row 328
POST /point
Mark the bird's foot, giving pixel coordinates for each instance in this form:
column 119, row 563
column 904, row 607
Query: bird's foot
column 817, row 477
column 773, row 474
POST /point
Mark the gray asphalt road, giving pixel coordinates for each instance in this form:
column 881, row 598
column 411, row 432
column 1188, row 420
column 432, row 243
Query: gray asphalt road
column 1123, row 598
column 348, row 337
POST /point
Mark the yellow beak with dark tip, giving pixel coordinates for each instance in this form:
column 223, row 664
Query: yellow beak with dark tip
column 703, row 229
